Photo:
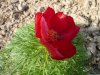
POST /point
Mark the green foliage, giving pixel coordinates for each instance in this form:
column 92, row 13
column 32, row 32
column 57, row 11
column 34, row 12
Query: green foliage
column 24, row 55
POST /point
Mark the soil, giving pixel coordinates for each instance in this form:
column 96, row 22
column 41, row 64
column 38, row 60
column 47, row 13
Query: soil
column 86, row 13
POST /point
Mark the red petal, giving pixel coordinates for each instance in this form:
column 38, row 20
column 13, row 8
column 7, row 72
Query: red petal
column 55, row 54
column 44, row 28
column 65, row 45
column 62, row 23
column 70, row 51
column 48, row 14
column 60, row 15
column 65, row 48
column 37, row 24
column 71, row 22
column 59, row 22
column 71, row 30
column 70, row 35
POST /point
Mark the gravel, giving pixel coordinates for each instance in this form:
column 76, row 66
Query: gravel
column 13, row 13
column 86, row 13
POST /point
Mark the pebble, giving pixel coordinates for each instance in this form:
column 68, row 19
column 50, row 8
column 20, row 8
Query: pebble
column 98, row 46
column 92, row 47
column 99, row 66
column 14, row 1
column 2, row 20
column 98, row 39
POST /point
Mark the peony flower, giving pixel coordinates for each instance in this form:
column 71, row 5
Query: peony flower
column 56, row 32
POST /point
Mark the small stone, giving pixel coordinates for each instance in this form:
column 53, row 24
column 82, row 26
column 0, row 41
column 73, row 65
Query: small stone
column 95, row 39
column 14, row 1
column 99, row 66
column 98, row 59
column 2, row 32
column 2, row 21
column 89, row 54
column 92, row 48
column 98, row 39
column 21, row 1
column 25, row 7
column 16, row 15
column 2, row 27
column 98, row 54
column 89, row 38
column 19, row 7
column 96, row 33
column 98, row 46
column 0, row 36
column 42, row 9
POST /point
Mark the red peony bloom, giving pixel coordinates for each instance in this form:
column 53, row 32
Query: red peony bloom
column 56, row 31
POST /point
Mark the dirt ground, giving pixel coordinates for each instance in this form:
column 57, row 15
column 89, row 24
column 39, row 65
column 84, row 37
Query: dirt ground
column 86, row 13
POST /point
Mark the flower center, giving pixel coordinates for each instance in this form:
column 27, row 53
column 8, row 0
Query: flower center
column 53, row 35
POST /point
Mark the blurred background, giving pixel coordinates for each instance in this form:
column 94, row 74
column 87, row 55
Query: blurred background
column 86, row 14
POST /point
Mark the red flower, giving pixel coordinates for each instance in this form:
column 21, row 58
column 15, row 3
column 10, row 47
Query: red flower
column 56, row 31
